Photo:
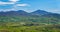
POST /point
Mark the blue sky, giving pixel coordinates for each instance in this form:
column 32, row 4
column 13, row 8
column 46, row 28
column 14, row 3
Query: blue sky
column 30, row 5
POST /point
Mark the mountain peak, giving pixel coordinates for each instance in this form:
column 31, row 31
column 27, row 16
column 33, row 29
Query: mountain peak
column 41, row 12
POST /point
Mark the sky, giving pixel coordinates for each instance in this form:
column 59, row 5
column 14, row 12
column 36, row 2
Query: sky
column 30, row 5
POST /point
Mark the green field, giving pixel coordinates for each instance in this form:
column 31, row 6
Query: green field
column 32, row 28
column 29, row 24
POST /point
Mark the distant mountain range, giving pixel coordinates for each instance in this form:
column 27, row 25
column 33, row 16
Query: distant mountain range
column 35, row 13
column 38, row 16
column 46, row 14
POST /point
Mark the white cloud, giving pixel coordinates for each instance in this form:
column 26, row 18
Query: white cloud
column 22, row 4
column 10, row 2
column 3, row 3
column 13, row 0
column 11, row 9
column 54, row 10
column 14, row 7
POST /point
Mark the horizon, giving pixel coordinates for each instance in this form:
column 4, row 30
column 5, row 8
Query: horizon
column 30, row 5
column 28, row 12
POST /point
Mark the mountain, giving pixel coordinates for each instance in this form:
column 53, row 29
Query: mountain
column 39, row 12
column 38, row 16
column 45, row 14
column 14, row 13
column 35, row 13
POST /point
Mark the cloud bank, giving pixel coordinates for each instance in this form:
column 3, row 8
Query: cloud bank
column 4, row 3
column 13, row 2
